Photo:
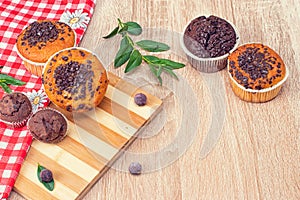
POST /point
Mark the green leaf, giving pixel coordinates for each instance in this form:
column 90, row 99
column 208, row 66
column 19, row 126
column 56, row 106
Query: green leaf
column 5, row 87
column 48, row 185
column 134, row 61
column 153, row 69
column 10, row 80
column 170, row 63
column 123, row 53
column 152, row 46
column 151, row 59
column 133, row 28
column 159, row 79
column 159, row 71
column 169, row 71
column 156, row 72
column 113, row 33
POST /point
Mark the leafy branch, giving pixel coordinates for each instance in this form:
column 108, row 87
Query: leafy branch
column 129, row 51
column 6, row 80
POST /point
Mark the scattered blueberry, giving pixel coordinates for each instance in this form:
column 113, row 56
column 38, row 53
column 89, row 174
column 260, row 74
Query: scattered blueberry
column 140, row 99
column 46, row 175
column 135, row 168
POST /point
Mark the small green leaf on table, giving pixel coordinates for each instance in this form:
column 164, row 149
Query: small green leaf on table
column 10, row 80
column 5, row 87
column 48, row 185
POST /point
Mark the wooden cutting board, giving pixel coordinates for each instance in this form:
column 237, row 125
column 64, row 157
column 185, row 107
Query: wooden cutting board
column 93, row 143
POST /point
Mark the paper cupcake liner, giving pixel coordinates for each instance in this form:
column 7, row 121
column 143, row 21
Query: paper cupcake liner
column 208, row 65
column 17, row 124
column 54, row 141
column 36, row 68
column 257, row 96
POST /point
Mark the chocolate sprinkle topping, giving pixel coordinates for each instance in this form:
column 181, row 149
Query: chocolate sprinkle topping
column 254, row 68
column 79, row 78
column 82, row 53
column 40, row 32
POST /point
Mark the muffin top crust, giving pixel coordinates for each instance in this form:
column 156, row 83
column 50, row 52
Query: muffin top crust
column 209, row 37
column 41, row 39
column 15, row 107
column 48, row 126
column 74, row 79
column 256, row 66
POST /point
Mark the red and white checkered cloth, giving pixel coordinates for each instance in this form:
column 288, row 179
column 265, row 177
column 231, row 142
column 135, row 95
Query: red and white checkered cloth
column 15, row 15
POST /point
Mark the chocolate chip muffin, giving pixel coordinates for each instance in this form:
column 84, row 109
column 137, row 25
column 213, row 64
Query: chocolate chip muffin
column 15, row 109
column 75, row 80
column 256, row 72
column 41, row 39
column 48, row 125
column 207, row 42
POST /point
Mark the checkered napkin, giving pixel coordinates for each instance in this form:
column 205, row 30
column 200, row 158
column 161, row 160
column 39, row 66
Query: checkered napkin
column 15, row 15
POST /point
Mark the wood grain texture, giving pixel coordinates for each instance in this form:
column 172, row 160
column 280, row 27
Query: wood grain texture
column 93, row 143
column 258, row 154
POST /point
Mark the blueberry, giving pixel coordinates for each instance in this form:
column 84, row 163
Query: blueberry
column 135, row 168
column 46, row 175
column 140, row 99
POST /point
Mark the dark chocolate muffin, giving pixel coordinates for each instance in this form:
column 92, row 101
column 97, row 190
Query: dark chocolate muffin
column 15, row 109
column 48, row 125
column 209, row 37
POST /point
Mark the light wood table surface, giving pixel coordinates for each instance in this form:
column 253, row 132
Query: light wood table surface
column 258, row 153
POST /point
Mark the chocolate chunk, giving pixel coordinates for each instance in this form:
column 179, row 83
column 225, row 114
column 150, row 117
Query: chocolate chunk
column 135, row 168
column 65, row 58
column 140, row 99
column 82, row 53
column 46, row 175
column 69, row 108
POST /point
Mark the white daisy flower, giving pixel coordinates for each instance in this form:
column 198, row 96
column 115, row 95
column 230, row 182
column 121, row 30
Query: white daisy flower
column 37, row 99
column 76, row 19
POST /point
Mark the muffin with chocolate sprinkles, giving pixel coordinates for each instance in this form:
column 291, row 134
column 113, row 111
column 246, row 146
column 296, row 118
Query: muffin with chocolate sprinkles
column 207, row 42
column 15, row 109
column 40, row 40
column 256, row 72
column 75, row 80
column 48, row 125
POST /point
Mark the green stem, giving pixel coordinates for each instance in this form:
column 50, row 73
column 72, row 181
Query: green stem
column 120, row 23
column 145, row 59
column 130, row 41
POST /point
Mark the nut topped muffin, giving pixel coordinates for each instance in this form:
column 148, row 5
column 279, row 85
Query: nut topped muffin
column 207, row 42
column 75, row 80
column 209, row 37
column 256, row 68
column 48, row 125
column 41, row 39
column 15, row 109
